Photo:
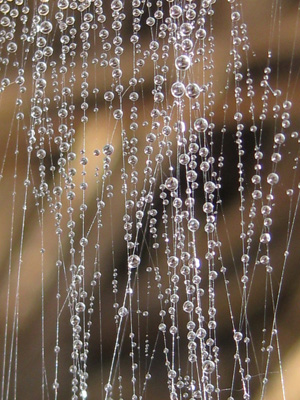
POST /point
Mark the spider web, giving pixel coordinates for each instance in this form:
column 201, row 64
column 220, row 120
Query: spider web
column 150, row 178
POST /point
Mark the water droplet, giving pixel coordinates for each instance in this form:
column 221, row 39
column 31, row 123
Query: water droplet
column 46, row 27
column 173, row 261
column 80, row 307
column 193, row 225
column 209, row 366
column 175, row 12
column 171, row 183
column 178, row 89
column 188, row 306
column 193, row 91
column 200, row 125
column 63, row 4
column 133, row 261
column 182, row 63
column 108, row 149
column 272, row 178
column 122, row 312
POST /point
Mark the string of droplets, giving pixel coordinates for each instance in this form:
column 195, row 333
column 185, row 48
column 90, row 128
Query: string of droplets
column 177, row 66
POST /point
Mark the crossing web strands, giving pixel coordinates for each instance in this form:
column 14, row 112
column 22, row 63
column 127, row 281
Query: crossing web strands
column 149, row 197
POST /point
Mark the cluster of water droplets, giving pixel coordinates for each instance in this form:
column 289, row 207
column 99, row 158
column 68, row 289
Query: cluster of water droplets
column 141, row 77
